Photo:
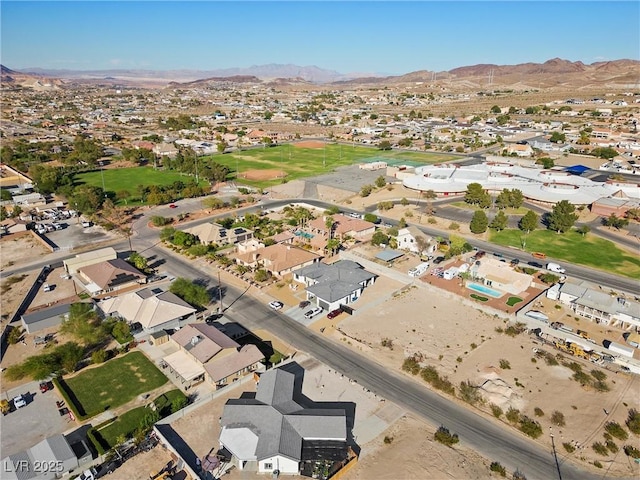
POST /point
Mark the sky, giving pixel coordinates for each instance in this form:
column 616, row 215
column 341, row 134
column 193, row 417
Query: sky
column 389, row 37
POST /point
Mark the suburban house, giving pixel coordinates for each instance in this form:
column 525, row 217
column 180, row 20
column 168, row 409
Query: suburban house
column 500, row 276
column 165, row 149
column 284, row 237
column 213, row 233
column 250, row 245
column 155, row 310
column 208, row 354
column 329, row 286
column 519, row 150
column 597, row 305
column 54, row 451
column 72, row 265
column 279, row 259
column 273, row 433
column 44, row 318
column 407, row 240
column 343, row 226
column 109, row 276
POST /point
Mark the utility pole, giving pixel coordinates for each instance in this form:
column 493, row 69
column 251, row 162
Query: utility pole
column 220, row 292
column 102, row 175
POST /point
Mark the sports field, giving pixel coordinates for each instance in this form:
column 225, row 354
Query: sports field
column 291, row 161
column 589, row 250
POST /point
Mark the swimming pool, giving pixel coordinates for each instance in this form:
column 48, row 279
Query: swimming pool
column 484, row 289
column 302, row 234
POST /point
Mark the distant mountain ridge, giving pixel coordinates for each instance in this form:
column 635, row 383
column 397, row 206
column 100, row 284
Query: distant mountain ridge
column 555, row 72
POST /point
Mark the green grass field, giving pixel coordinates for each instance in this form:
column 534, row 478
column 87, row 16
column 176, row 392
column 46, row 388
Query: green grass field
column 114, row 383
column 120, row 179
column 128, row 422
column 300, row 162
column 590, row 250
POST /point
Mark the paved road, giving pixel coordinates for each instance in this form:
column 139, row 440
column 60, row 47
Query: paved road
column 492, row 440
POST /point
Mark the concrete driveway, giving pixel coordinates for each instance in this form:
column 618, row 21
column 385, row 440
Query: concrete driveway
column 39, row 419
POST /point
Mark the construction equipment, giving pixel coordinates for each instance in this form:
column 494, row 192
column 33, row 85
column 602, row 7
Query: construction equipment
column 560, row 345
column 577, row 350
column 5, row 406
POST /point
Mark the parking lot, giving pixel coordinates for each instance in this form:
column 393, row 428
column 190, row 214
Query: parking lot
column 74, row 235
column 39, row 419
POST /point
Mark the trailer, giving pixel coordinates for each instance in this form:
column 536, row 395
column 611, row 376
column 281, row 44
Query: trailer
column 620, row 349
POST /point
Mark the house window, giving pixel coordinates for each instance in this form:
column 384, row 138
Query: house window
column 268, row 466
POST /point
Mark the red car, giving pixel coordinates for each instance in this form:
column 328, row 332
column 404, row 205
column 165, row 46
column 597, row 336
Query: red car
column 334, row 313
column 173, row 205
column 46, row 386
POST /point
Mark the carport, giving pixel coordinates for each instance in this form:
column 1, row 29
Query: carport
column 389, row 255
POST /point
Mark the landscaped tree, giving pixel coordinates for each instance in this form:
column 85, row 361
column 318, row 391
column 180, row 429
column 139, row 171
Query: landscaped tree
column 328, row 223
column 379, row 237
column 384, row 145
column 496, row 109
column 503, row 199
column 380, row 181
column 365, row 191
column 370, row 217
column 583, row 230
column 516, row 198
column 633, row 214
column 546, row 162
column 333, row 245
column 70, row 355
column 529, row 222
column 430, row 195
column 562, row 218
column 83, row 324
column 138, row 261
column 196, row 295
column 479, row 222
column 558, row 137
column 476, row 195
column 500, row 221
column 615, row 222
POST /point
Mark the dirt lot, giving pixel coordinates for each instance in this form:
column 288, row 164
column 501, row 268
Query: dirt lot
column 462, row 343
column 18, row 248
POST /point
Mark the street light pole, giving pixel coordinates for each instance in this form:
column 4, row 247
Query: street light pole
column 102, row 175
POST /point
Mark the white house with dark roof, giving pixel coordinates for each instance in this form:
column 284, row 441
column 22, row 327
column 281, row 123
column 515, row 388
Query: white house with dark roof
column 272, row 433
column 340, row 283
column 53, row 451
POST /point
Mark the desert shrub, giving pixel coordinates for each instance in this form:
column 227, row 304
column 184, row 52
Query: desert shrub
column 611, row 446
column 513, row 415
column 597, row 464
column 557, row 418
column 598, row 375
column 454, row 226
column 469, row 393
column 600, row 449
column 601, row 386
column 631, row 451
column 633, row 421
column 411, row 365
column 498, row 468
column 568, row 447
column 538, row 412
column 574, row 367
column 159, row 221
column 550, row 359
column 505, row 364
column 15, row 335
column 387, row 342
column 530, row 427
column 582, row 378
column 496, row 410
column 430, row 375
column 513, row 330
column 388, row 439
column 616, row 430
column 445, row 437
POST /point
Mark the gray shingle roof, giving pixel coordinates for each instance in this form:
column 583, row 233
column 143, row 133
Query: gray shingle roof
column 335, row 281
column 279, row 422
column 56, row 311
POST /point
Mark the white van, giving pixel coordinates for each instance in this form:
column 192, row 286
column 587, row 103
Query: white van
column 554, row 267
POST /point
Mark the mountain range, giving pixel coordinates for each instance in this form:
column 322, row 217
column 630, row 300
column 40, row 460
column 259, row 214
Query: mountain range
column 552, row 73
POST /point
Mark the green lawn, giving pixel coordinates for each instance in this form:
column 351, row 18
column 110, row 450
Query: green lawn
column 590, row 250
column 513, row 300
column 114, row 383
column 119, row 179
column 479, row 298
column 300, row 162
column 127, row 423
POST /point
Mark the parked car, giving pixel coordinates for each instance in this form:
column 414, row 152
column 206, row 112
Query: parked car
column 86, row 224
column 173, row 205
column 19, row 401
column 46, row 386
column 313, row 312
column 535, row 264
column 276, row 305
column 47, row 288
column 515, row 262
column 334, row 313
column 438, row 260
column 304, row 304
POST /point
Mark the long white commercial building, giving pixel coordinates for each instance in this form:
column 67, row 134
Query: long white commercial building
column 548, row 186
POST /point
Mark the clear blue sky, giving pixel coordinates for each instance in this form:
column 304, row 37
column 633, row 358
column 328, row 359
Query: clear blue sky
column 383, row 37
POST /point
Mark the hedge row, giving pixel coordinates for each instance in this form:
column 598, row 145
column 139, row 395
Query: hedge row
column 60, row 384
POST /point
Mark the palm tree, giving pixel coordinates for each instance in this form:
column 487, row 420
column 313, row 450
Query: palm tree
column 328, row 222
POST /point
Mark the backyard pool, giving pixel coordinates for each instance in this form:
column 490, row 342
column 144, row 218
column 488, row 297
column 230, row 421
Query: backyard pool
column 302, row 234
column 484, row 289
